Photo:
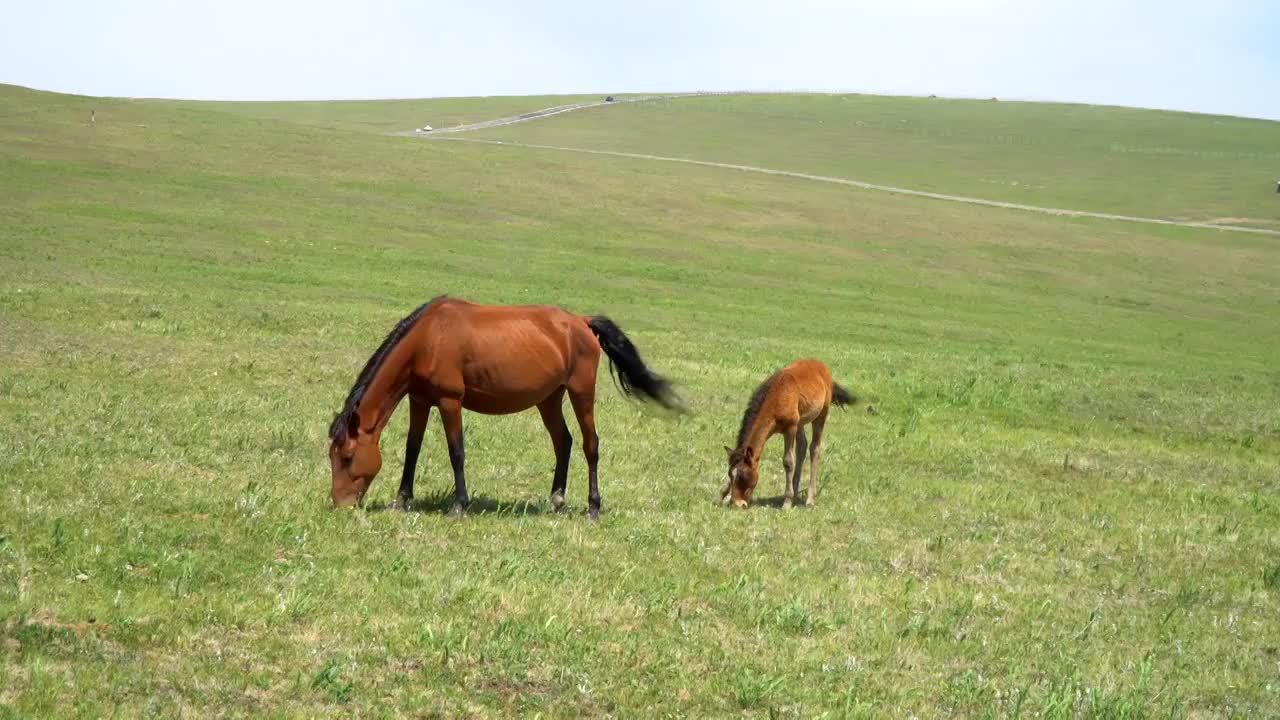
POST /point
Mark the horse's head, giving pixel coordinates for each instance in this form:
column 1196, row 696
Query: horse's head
column 743, row 474
column 356, row 460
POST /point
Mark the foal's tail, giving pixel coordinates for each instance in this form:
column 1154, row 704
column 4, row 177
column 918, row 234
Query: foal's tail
column 628, row 370
column 841, row 397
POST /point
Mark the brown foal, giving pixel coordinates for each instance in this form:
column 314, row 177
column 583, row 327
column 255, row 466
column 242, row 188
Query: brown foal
column 797, row 395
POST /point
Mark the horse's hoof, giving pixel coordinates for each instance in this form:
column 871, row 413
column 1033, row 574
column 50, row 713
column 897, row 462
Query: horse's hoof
column 810, row 504
column 401, row 504
column 457, row 511
column 786, row 504
column 594, row 514
column 557, row 502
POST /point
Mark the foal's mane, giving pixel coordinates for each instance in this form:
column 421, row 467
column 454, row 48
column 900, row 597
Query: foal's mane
column 753, row 407
column 339, row 425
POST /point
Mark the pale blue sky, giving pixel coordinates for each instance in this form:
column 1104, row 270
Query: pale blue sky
column 1213, row 56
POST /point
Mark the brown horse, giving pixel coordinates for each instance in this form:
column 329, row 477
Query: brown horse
column 798, row 394
column 455, row 355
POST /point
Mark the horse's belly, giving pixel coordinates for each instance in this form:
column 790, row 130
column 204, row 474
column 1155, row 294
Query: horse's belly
column 509, row 387
column 811, row 413
column 505, row 403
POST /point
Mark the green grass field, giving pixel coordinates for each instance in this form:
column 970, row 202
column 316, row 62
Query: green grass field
column 1066, row 507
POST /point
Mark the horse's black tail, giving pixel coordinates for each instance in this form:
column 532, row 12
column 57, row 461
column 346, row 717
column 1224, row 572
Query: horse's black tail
column 842, row 397
column 628, row 370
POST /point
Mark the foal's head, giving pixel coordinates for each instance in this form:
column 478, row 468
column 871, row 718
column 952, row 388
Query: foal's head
column 356, row 460
column 743, row 474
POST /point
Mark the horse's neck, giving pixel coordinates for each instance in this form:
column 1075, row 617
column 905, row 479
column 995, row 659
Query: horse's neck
column 386, row 389
column 762, row 427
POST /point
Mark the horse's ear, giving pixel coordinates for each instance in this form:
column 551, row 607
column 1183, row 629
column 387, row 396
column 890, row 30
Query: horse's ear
column 728, row 450
column 353, row 425
column 750, row 454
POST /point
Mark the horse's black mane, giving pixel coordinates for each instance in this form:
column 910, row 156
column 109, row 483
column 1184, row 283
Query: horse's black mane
column 753, row 407
column 339, row 425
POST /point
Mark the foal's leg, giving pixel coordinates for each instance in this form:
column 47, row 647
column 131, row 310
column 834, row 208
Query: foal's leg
column 451, row 416
column 552, row 410
column 584, row 402
column 815, row 455
column 418, row 414
column 802, row 446
column 788, row 465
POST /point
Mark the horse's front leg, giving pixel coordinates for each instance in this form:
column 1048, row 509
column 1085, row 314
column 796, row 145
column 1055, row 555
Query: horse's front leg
column 802, row 446
column 418, row 413
column 788, row 466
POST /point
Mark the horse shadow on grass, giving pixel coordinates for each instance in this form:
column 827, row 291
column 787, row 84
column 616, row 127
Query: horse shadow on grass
column 769, row 502
column 774, row 503
column 442, row 503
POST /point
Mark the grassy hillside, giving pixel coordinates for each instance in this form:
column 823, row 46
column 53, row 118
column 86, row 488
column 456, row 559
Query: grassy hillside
column 1102, row 159
column 388, row 115
column 1067, row 504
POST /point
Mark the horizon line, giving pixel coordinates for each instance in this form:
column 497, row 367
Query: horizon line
column 706, row 92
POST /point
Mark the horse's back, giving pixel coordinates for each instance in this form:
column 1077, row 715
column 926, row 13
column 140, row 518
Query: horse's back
column 463, row 316
column 503, row 358
column 809, row 373
column 810, row 382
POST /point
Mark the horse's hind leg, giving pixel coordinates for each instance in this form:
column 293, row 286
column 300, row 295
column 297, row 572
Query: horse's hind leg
column 451, row 417
column 584, row 402
column 418, row 413
column 552, row 411
column 815, row 456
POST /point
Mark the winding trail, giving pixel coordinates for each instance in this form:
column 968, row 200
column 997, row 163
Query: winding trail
column 548, row 112
column 536, row 114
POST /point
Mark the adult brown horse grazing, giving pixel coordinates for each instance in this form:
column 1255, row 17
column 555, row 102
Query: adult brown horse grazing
column 455, row 355
column 798, row 394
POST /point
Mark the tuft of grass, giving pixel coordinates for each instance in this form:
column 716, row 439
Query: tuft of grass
column 1271, row 576
column 753, row 690
column 796, row 619
column 329, row 679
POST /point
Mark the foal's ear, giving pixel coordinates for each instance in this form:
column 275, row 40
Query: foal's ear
column 729, row 450
column 353, row 425
column 749, row 454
